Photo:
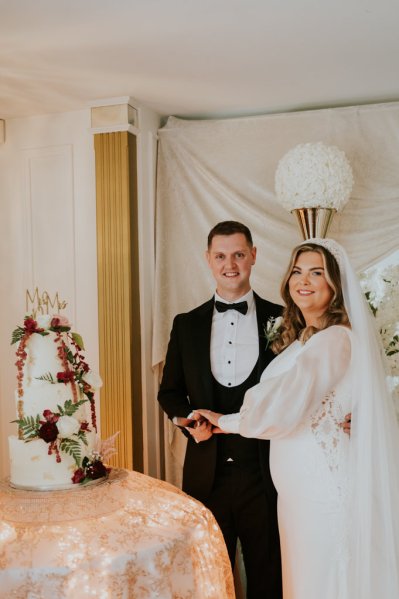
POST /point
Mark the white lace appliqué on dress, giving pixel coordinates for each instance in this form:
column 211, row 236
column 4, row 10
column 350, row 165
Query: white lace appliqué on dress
column 326, row 427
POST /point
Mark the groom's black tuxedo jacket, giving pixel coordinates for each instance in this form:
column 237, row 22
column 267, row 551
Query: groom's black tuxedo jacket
column 187, row 384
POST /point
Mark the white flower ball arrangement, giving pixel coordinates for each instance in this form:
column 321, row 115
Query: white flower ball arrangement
column 314, row 175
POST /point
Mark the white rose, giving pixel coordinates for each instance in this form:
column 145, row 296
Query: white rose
column 277, row 323
column 93, row 379
column 43, row 321
column 67, row 426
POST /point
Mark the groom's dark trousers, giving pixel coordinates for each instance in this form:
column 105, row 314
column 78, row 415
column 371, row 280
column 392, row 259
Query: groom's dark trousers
column 228, row 473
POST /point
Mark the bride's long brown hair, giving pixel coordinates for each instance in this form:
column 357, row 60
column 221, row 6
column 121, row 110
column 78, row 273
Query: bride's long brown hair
column 294, row 326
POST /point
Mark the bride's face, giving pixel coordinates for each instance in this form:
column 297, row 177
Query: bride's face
column 308, row 286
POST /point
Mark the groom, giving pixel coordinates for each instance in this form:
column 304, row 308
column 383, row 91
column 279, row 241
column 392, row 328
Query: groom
column 216, row 352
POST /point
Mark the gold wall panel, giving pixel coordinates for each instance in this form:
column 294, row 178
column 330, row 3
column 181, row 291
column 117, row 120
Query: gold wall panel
column 118, row 297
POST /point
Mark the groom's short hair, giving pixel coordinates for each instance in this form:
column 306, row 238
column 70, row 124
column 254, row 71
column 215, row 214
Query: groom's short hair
column 229, row 227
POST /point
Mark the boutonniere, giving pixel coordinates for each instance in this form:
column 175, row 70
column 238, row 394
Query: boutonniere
column 271, row 329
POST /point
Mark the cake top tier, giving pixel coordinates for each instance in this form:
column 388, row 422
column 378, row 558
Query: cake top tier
column 49, row 351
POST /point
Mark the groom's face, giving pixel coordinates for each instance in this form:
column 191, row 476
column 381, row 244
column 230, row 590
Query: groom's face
column 230, row 259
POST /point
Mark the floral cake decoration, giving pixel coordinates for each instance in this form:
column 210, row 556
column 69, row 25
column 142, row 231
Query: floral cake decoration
column 59, row 429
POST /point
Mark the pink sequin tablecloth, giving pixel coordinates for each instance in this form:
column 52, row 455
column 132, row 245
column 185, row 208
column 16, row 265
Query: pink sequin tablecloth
column 130, row 536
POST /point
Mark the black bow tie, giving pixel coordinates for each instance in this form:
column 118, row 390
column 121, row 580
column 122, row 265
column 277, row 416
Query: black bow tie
column 223, row 307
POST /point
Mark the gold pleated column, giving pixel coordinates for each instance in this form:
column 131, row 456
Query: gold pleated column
column 118, row 295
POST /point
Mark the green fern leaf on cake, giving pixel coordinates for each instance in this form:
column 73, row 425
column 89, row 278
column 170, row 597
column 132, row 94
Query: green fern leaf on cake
column 29, row 427
column 73, row 448
column 30, row 326
column 70, row 407
column 48, row 377
column 393, row 347
column 82, row 436
column 17, row 335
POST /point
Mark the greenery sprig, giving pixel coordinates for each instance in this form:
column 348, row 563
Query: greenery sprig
column 73, row 448
column 29, row 426
column 70, row 407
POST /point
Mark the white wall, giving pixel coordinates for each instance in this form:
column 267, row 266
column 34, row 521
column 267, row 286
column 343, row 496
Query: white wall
column 48, row 240
column 48, row 234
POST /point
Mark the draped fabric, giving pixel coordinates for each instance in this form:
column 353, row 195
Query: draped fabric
column 129, row 536
column 215, row 170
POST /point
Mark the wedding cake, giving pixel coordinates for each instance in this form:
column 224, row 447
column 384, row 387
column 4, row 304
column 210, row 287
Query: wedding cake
column 57, row 446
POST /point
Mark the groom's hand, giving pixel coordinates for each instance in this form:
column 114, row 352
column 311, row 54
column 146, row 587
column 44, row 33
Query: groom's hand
column 212, row 417
column 200, row 429
column 180, row 421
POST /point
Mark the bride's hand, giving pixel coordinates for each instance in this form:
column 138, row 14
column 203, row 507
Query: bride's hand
column 347, row 423
column 212, row 417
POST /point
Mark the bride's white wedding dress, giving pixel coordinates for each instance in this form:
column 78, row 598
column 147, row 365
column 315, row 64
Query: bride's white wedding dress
column 338, row 496
column 299, row 404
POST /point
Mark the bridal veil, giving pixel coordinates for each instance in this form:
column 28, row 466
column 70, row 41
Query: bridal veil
column 373, row 499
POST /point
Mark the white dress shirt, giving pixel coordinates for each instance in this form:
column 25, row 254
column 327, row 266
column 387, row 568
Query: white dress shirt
column 234, row 346
column 234, row 342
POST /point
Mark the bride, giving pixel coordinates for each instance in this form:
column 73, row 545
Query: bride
column 338, row 496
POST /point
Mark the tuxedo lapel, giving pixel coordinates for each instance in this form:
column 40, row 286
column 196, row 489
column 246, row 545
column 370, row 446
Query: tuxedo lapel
column 262, row 315
column 201, row 350
column 198, row 342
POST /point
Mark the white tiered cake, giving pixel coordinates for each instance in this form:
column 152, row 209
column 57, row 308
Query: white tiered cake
column 57, row 445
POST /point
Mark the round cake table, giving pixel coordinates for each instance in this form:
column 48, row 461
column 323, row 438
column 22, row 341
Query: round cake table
column 130, row 536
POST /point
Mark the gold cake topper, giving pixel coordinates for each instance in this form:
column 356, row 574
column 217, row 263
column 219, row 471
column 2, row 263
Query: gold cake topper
column 41, row 303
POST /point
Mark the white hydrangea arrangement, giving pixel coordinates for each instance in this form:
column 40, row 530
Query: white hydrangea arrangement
column 381, row 288
column 314, row 175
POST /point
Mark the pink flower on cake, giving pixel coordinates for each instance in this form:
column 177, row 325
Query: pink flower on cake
column 60, row 321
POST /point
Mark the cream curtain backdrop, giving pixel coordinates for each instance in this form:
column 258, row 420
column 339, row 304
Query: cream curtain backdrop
column 215, row 170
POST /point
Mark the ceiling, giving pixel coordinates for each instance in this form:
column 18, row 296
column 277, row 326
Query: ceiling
column 197, row 58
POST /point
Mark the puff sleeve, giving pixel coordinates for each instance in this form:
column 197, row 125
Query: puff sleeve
column 280, row 402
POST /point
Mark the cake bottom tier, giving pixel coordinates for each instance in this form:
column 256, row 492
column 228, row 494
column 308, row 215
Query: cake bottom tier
column 31, row 467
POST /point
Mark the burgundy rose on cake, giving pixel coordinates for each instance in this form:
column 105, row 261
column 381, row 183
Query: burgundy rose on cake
column 94, row 467
column 66, row 377
column 31, row 326
column 48, row 431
